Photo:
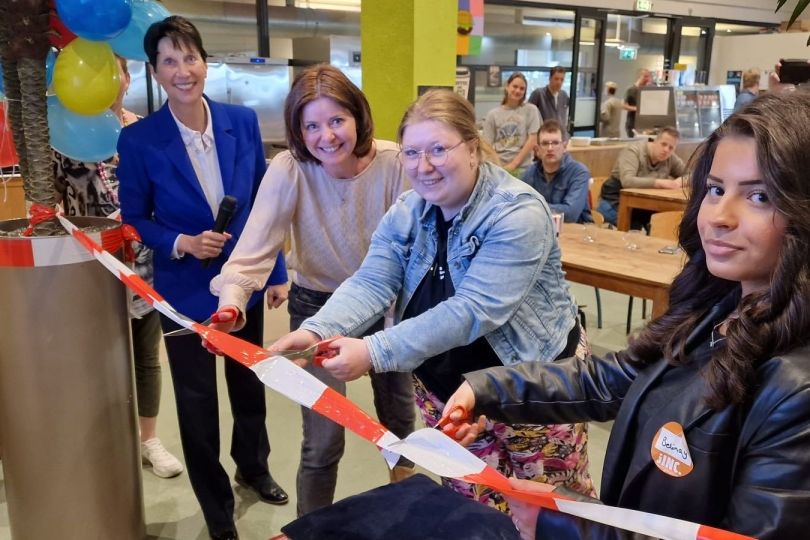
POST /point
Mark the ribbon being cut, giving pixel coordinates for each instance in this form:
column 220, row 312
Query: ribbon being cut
column 428, row 448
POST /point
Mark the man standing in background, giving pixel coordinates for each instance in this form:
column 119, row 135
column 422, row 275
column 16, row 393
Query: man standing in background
column 631, row 99
column 750, row 83
column 552, row 101
column 611, row 114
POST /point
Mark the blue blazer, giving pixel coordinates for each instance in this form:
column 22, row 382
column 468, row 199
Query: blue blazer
column 161, row 197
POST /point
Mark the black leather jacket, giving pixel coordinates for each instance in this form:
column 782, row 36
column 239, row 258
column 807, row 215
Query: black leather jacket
column 751, row 463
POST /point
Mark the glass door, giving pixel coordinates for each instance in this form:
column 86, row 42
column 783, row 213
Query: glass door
column 695, row 53
column 588, row 59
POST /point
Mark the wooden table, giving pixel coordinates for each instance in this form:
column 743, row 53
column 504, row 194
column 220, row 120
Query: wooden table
column 657, row 200
column 607, row 264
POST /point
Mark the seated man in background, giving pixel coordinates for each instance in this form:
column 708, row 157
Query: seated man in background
column 559, row 178
column 648, row 164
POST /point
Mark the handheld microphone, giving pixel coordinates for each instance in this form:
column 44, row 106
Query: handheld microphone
column 227, row 208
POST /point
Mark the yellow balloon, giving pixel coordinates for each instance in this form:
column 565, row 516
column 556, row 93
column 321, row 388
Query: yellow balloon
column 85, row 77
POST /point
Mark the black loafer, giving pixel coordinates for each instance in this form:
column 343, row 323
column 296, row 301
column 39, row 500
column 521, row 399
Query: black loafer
column 224, row 535
column 266, row 488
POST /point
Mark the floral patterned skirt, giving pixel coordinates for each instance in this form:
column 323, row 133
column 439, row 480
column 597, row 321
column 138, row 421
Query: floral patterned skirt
column 554, row 454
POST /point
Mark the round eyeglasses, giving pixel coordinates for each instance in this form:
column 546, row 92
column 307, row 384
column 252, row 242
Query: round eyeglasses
column 436, row 155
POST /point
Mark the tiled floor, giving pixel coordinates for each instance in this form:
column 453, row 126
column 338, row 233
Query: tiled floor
column 172, row 511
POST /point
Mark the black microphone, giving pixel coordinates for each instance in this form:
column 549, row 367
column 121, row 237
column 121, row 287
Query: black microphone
column 227, row 208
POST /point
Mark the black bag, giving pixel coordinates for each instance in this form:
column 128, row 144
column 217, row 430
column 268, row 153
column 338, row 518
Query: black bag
column 416, row 508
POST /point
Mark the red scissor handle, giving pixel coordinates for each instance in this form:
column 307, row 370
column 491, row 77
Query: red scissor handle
column 323, row 352
column 445, row 420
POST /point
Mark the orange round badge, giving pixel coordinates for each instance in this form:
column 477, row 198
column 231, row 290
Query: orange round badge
column 669, row 450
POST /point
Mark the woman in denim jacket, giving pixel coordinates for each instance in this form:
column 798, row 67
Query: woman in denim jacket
column 470, row 259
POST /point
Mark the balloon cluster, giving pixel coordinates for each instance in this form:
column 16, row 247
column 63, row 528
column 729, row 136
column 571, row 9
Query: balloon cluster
column 84, row 74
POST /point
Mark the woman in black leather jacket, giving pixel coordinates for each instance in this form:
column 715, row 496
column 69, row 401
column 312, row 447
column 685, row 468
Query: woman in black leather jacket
column 711, row 401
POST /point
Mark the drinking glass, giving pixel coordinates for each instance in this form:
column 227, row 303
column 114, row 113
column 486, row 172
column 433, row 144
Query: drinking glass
column 589, row 232
column 632, row 239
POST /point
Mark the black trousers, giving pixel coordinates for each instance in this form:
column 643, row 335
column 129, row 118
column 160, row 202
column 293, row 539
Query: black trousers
column 195, row 388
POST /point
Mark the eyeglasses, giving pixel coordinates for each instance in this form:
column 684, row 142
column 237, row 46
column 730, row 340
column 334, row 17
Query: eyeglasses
column 550, row 144
column 435, row 155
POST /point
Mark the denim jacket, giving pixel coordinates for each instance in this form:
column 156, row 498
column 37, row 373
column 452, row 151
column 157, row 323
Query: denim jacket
column 503, row 259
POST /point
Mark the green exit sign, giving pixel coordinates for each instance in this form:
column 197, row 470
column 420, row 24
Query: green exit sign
column 643, row 5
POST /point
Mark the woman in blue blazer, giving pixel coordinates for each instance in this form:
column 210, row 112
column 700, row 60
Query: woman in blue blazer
column 175, row 167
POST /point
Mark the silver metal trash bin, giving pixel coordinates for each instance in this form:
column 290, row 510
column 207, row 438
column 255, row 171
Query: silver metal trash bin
column 67, row 412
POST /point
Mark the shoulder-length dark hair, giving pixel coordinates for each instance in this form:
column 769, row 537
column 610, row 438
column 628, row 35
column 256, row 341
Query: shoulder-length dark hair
column 772, row 321
column 320, row 81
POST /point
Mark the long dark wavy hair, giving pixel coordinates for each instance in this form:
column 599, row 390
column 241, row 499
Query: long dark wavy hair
column 773, row 321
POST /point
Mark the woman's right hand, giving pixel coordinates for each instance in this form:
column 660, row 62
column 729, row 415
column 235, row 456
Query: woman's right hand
column 224, row 319
column 465, row 432
column 297, row 340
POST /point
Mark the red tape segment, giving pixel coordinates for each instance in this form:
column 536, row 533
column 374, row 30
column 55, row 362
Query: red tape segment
column 16, row 252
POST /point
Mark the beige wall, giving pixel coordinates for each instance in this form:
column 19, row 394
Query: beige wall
column 762, row 51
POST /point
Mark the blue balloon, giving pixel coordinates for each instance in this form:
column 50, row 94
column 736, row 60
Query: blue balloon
column 2, row 85
column 83, row 138
column 50, row 60
column 129, row 43
column 96, row 20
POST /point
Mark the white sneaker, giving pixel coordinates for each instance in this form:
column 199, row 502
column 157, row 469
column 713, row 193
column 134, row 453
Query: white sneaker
column 163, row 463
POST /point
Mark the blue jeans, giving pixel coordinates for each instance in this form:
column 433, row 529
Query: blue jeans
column 610, row 212
column 324, row 442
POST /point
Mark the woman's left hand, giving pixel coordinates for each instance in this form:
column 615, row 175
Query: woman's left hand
column 352, row 362
column 524, row 515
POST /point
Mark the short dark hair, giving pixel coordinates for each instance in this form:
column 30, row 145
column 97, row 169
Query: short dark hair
column 319, row 81
column 176, row 28
column 556, row 69
column 669, row 130
column 550, row 126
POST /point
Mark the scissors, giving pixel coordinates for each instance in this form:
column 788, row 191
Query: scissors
column 316, row 353
column 234, row 313
column 451, row 432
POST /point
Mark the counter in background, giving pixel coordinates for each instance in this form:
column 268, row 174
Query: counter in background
column 600, row 159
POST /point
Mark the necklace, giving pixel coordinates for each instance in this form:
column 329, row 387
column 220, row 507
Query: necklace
column 714, row 341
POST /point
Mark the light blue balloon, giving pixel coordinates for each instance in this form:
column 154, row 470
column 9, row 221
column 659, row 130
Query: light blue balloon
column 83, row 138
column 2, row 86
column 129, row 43
column 50, row 60
column 96, row 20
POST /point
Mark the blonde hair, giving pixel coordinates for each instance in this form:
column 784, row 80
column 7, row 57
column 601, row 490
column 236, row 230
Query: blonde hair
column 447, row 107
column 751, row 77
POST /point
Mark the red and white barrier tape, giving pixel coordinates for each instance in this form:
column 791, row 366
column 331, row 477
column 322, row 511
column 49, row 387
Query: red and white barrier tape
column 428, row 448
